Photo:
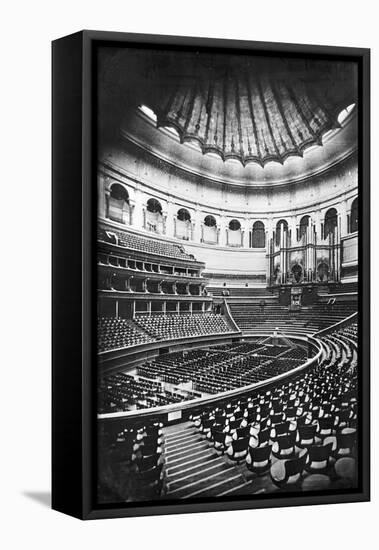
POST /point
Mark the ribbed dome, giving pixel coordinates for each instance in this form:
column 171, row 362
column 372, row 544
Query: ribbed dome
column 255, row 111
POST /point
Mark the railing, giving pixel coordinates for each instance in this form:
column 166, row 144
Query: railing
column 230, row 316
column 176, row 410
column 341, row 324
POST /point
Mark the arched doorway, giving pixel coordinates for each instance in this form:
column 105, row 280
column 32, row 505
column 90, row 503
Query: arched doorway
column 154, row 217
column 183, row 224
column 118, row 204
column 234, row 233
column 209, row 230
column 330, row 222
column 258, row 238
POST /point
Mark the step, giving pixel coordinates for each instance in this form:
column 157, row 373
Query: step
column 185, row 449
column 216, row 487
column 201, row 478
column 176, row 469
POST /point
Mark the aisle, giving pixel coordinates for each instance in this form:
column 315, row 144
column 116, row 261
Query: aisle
column 194, row 469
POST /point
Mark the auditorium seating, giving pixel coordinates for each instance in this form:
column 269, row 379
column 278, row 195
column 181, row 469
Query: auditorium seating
column 131, row 463
column 182, row 376
column 143, row 244
column 298, row 434
column 315, row 429
column 114, row 333
column 125, row 392
column 252, row 318
column 167, row 326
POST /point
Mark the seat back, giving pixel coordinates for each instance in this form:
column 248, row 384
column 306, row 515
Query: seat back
column 295, row 466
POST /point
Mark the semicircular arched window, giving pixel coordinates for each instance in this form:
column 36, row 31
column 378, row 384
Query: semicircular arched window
column 210, row 221
column 119, row 192
column 183, row 215
column 234, row 225
column 154, row 206
column 258, row 238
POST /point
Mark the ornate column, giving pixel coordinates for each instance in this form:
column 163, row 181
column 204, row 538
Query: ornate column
column 144, row 285
column 132, row 206
column 197, row 226
column 222, row 234
column 345, row 217
column 138, row 210
column 170, row 216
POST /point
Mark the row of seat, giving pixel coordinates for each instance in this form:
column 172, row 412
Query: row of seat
column 296, row 435
column 255, row 318
column 143, row 244
column 131, row 463
column 297, row 430
column 222, row 368
column 124, row 392
column 168, row 326
column 115, row 333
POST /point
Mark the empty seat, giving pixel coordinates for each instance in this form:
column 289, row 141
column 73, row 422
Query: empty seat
column 258, row 459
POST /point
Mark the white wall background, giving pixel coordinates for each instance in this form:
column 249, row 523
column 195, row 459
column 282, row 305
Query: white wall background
column 27, row 29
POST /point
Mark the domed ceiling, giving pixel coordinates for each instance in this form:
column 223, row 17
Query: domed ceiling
column 253, row 110
column 254, row 114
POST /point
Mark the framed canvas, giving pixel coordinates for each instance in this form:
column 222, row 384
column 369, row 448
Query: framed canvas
column 211, row 291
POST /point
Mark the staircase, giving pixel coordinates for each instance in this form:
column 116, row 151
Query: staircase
column 194, row 469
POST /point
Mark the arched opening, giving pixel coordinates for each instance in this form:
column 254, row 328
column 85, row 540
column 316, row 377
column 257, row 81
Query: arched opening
column 209, row 230
column 154, row 218
column 154, row 206
column 183, row 224
column 234, row 235
column 183, row 215
column 118, row 204
column 278, row 230
column 210, row 221
column 234, row 225
column 258, row 238
column 323, row 272
column 330, row 222
column 354, row 216
column 304, row 224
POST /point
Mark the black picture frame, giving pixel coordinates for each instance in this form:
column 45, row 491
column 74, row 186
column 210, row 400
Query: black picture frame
column 73, row 273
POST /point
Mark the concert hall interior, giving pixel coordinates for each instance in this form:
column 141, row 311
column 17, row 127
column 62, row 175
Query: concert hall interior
column 227, row 263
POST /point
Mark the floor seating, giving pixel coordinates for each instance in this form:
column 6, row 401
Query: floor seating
column 303, row 431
